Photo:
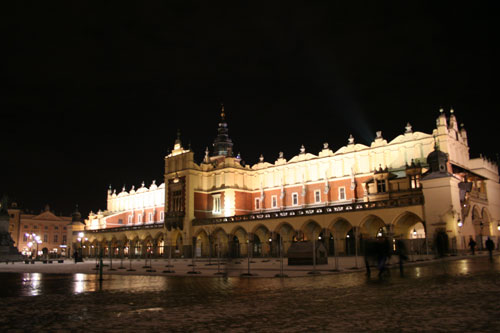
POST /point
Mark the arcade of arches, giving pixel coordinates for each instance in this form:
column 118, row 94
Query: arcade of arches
column 340, row 235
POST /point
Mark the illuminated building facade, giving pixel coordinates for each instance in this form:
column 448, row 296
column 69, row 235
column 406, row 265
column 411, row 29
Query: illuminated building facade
column 39, row 232
column 417, row 186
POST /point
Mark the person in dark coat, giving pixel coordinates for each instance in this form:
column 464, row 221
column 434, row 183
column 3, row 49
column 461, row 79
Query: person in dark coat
column 472, row 245
column 75, row 256
column 402, row 254
column 490, row 246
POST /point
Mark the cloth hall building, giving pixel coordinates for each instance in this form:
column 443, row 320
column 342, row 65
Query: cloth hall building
column 418, row 186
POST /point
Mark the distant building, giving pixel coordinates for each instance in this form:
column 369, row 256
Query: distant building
column 417, row 186
column 43, row 232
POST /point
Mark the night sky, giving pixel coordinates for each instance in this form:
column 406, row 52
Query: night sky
column 94, row 95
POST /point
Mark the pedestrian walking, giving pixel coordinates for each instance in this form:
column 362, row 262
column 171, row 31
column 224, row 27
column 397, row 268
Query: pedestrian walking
column 490, row 246
column 75, row 256
column 472, row 245
column 401, row 252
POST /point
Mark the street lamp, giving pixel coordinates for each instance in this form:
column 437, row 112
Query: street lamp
column 33, row 238
column 81, row 239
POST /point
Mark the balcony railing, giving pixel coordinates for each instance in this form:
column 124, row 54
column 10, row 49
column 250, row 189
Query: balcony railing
column 412, row 200
column 156, row 225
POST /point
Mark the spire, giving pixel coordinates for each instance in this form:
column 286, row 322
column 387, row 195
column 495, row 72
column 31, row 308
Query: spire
column 222, row 113
column 223, row 145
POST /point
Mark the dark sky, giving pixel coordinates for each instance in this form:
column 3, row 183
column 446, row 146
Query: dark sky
column 93, row 96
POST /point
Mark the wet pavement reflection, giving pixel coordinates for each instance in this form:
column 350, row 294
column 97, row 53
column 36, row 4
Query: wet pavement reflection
column 33, row 284
column 431, row 296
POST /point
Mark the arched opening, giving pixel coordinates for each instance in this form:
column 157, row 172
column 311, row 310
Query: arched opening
column 160, row 246
column 220, row 243
column 235, row 247
column 327, row 239
column 343, row 237
column 262, row 236
column 286, row 234
column 240, row 243
column 178, row 246
column 257, row 246
column 373, row 227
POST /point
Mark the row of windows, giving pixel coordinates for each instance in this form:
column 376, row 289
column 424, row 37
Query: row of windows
column 217, row 206
column 295, row 198
column 45, row 227
column 46, row 238
column 139, row 218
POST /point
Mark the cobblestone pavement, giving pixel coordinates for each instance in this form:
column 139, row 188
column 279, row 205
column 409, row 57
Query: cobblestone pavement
column 446, row 296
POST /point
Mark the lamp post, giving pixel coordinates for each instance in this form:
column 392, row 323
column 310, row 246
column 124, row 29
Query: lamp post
column 33, row 238
column 81, row 238
column 270, row 247
column 460, row 224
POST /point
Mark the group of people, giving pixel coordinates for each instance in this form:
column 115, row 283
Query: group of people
column 489, row 244
column 379, row 251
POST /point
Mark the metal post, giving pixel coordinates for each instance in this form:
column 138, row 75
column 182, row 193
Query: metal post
column 356, row 247
column 218, row 259
column 168, row 262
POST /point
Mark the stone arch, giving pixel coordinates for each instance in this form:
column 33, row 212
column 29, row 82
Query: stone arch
column 343, row 235
column 286, row 234
column 239, row 242
column 159, row 244
column 261, row 245
column 220, row 242
column 311, row 229
column 372, row 226
column 135, row 249
column 408, row 225
column 202, row 243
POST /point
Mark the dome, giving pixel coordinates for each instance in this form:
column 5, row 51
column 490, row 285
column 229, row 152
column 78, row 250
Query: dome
column 76, row 216
column 437, row 161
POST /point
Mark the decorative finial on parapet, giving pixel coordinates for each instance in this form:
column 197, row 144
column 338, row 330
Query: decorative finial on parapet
column 350, row 141
column 408, row 128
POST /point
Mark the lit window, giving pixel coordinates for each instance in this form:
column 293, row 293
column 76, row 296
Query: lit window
column 415, row 181
column 317, row 196
column 295, row 199
column 56, row 238
column 45, row 238
column 64, row 239
column 341, row 193
column 381, row 186
column 274, row 201
column 216, row 209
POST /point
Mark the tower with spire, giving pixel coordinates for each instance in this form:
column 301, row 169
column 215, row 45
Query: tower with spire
column 223, row 145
